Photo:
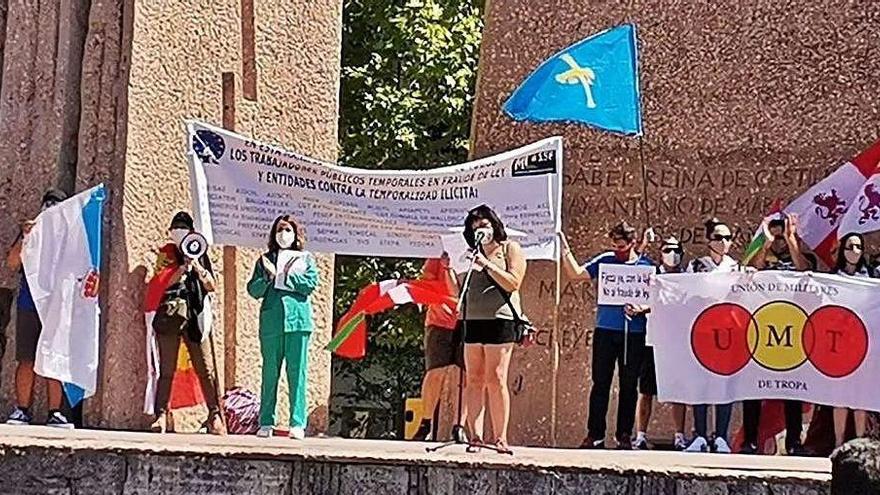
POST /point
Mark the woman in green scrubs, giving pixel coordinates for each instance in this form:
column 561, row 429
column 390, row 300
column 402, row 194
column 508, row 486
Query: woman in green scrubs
column 284, row 278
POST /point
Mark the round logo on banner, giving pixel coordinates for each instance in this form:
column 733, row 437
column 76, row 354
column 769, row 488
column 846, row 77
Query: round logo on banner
column 779, row 336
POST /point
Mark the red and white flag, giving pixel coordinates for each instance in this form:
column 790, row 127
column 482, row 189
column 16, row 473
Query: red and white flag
column 822, row 208
column 350, row 339
column 864, row 214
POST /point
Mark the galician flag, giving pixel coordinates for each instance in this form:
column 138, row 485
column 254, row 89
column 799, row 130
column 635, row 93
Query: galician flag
column 350, row 339
column 61, row 257
column 594, row 81
column 822, row 208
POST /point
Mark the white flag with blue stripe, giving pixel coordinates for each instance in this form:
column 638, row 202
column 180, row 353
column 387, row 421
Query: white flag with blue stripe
column 61, row 257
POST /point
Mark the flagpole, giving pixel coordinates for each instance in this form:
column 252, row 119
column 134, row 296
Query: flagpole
column 647, row 211
column 554, row 346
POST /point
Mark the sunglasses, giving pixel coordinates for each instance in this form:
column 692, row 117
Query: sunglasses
column 854, row 247
column 671, row 250
column 722, row 237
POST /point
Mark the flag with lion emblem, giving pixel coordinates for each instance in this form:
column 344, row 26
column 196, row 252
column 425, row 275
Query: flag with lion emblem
column 822, row 209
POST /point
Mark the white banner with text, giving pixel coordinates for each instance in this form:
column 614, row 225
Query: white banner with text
column 240, row 185
column 726, row 337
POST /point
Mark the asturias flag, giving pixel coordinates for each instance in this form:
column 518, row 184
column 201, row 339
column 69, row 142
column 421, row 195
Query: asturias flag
column 593, row 82
column 61, row 258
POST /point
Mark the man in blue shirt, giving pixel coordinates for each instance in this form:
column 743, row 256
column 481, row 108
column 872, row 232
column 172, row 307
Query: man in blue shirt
column 619, row 338
column 27, row 336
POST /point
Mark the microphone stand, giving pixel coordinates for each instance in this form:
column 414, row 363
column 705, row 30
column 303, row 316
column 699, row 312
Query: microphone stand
column 462, row 310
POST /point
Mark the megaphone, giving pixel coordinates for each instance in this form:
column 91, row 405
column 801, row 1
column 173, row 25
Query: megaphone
column 193, row 245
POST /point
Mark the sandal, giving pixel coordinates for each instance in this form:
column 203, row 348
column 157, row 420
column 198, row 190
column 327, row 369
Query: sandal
column 215, row 424
column 475, row 446
column 159, row 425
column 502, row 447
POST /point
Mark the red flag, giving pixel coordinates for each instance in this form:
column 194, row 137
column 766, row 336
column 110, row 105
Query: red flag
column 185, row 388
column 350, row 339
column 824, row 205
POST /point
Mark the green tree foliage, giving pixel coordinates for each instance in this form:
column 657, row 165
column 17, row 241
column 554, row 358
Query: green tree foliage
column 408, row 75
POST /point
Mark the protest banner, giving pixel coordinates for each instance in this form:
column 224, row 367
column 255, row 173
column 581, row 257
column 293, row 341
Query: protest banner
column 240, row 185
column 624, row 284
column 726, row 337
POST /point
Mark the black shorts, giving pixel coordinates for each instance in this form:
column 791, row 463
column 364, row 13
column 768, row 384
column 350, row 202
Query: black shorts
column 27, row 335
column 443, row 348
column 648, row 374
column 497, row 331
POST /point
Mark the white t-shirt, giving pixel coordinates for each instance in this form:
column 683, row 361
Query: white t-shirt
column 706, row 264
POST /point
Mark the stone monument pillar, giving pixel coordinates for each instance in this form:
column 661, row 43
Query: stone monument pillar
column 98, row 92
column 742, row 102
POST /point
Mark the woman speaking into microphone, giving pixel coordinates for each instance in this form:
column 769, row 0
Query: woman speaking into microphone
column 489, row 313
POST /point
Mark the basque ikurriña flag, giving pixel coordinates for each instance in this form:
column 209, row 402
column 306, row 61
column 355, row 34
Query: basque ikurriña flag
column 594, row 81
column 61, row 257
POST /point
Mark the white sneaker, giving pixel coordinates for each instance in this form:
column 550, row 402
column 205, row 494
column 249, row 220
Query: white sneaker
column 698, row 444
column 679, row 443
column 297, row 433
column 265, row 431
column 721, row 446
column 19, row 417
column 57, row 420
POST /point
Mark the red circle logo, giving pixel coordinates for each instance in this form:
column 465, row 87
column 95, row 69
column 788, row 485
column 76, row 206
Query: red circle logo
column 835, row 340
column 779, row 336
column 720, row 338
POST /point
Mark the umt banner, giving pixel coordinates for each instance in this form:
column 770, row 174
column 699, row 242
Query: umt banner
column 726, row 337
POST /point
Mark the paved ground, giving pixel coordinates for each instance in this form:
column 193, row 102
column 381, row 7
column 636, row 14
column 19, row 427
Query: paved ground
column 337, row 450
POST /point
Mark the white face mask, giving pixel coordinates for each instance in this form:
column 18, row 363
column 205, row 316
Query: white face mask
column 177, row 235
column 285, row 238
column 852, row 257
column 671, row 259
column 485, row 233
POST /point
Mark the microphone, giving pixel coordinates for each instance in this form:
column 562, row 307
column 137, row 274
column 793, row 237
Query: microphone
column 482, row 234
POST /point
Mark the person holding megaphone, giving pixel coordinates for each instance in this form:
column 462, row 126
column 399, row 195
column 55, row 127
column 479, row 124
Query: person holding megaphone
column 183, row 267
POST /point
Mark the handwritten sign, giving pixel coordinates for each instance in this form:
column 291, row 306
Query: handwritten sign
column 624, row 284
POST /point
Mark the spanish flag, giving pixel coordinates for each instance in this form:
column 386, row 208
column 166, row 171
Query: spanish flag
column 185, row 388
